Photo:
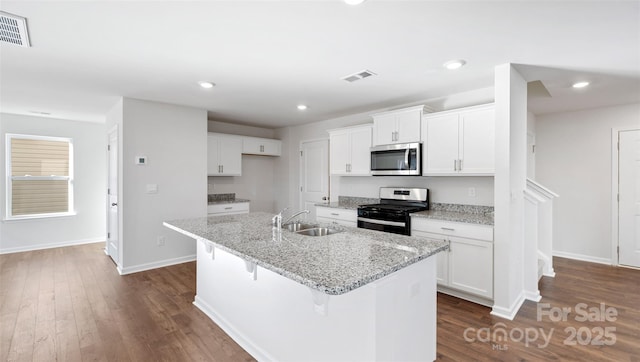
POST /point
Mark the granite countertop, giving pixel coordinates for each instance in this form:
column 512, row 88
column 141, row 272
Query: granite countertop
column 231, row 201
column 471, row 214
column 333, row 264
column 457, row 216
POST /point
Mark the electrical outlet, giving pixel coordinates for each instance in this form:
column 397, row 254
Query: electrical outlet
column 161, row 240
column 472, row 192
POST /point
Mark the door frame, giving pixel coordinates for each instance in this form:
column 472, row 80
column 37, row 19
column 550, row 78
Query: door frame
column 301, row 170
column 615, row 132
column 114, row 130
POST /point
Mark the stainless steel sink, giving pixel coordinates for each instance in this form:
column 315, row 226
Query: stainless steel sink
column 296, row 226
column 317, row 231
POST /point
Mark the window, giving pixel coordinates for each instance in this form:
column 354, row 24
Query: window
column 40, row 176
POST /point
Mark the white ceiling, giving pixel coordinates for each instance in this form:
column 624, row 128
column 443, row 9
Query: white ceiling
column 268, row 56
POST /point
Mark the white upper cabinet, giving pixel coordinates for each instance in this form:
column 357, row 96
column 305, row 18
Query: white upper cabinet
column 349, row 151
column 224, row 155
column 399, row 126
column 459, row 142
column 261, row 146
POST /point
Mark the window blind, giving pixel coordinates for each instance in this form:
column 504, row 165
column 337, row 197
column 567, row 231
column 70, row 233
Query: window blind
column 40, row 176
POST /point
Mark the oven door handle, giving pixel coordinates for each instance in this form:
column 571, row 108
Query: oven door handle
column 381, row 222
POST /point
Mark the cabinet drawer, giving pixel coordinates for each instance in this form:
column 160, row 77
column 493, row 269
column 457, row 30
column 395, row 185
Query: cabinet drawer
column 450, row 228
column 338, row 214
column 222, row 209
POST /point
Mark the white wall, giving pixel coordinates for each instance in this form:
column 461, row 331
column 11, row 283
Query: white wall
column 89, row 225
column 510, row 180
column 257, row 182
column 443, row 189
column 174, row 140
column 574, row 160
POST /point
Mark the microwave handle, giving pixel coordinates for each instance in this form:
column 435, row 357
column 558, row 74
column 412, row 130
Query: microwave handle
column 406, row 158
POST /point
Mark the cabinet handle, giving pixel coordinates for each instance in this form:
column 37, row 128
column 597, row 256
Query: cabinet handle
column 455, row 165
column 222, row 168
column 334, row 214
column 261, row 148
column 459, row 165
column 228, row 208
column 448, row 229
column 349, row 167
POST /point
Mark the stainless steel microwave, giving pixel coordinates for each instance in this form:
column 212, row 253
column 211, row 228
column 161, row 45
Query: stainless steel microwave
column 400, row 159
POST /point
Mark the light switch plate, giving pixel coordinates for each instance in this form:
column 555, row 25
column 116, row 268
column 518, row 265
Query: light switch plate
column 152, row 188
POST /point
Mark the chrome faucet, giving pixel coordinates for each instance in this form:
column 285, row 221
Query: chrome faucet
column 296, row 214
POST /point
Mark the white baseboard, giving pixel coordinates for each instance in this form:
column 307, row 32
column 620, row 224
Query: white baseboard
column 156, row 264
column 52, row 245
column 510, row 312
column 592, row 259
column 255, row 351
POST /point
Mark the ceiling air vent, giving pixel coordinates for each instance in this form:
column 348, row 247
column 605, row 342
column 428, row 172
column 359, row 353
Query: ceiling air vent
column 13, row 30
column 359, row 75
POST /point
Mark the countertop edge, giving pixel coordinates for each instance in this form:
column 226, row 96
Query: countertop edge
column 338, row 290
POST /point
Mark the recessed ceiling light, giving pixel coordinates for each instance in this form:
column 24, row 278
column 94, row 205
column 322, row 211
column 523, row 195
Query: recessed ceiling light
column 302, row 107
column 580, row 84
column 206, row 85
column 454, row 64
column 354, row 2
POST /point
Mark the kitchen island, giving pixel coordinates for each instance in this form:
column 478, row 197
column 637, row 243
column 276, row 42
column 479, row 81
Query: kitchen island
column 354, row 295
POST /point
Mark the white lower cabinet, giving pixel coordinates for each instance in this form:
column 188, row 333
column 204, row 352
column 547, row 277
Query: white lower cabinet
column 466, row 270
column 228, row 209
column 345, row 217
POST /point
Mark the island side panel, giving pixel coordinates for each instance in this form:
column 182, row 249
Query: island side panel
column 273, row 317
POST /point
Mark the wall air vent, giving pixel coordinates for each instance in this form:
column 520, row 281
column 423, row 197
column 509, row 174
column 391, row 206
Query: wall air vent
column 359, row 75
column 13, row 30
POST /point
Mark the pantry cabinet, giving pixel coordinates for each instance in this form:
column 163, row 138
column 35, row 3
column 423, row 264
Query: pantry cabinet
column 224, row 155
column 466, row 270
column 459, row 142
column 349, row 151
column 399, row 126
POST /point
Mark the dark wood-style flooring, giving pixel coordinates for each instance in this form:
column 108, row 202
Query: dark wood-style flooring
column 70, row 304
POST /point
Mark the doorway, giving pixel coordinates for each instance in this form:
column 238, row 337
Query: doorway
column 113, row 240
column 314, row 175
column 628, row 198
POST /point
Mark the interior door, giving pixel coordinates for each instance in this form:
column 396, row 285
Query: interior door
column 314, row 175
column 113, row 242
column 629, row 202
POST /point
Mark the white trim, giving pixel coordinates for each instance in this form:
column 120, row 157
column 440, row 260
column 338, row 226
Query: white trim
column 582, row 257
column 98, row 239
column 242, row 340
column 156, row 264
column 614, row 195
column 509, row 313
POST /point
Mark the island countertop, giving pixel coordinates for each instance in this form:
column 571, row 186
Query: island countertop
column 334, row 264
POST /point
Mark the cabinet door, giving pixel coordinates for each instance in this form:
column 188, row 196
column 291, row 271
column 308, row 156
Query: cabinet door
column 441, row 139
column 230, row 155
column 471, row 266
column 261, row 146
column 213, row 163
column 360, row 152
column 442, row 258
column 408, row 127
column 477, row 142
column 271, row 147
column 339, row 152
column 384, row 129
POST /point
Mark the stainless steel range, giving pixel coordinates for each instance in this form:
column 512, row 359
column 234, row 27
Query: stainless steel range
column 393, row 213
